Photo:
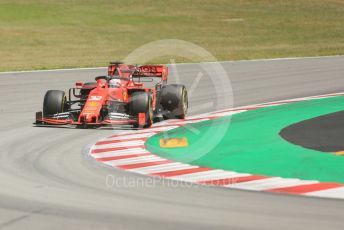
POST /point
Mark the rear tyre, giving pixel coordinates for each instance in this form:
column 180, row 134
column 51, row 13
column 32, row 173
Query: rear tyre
column 54, row 102
column 149, row 114
column 141, row 102
column 174, row 100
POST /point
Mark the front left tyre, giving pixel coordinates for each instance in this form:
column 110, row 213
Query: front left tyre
column 141, row 102
column 54, row 102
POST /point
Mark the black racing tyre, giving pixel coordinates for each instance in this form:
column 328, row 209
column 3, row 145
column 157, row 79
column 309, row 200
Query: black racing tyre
column 174, row 99
column 141, row 102
column 54, row 102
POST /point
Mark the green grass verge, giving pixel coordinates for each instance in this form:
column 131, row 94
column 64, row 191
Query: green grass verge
column 252, row 143
column 44, row 34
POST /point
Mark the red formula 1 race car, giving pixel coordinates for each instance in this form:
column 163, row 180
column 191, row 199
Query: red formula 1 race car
column 128, row 94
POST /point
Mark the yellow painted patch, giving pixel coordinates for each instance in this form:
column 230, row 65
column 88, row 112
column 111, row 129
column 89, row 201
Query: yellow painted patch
column 92, row 104
column 174, row 142
column 125, row 95
column 341, row 153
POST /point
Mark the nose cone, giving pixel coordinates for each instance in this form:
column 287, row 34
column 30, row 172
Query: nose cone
column 88, row 118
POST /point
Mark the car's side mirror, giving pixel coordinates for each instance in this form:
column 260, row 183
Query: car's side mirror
column 103, row 78
column 79, row 84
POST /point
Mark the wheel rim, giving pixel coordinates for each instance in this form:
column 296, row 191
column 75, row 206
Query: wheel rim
column 150, row 112
column 185, row 101
column 63, row 106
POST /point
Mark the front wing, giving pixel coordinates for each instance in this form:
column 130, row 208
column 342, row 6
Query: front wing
column 67, row 118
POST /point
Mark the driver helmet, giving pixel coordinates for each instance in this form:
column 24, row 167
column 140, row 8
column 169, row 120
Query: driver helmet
column 115, row 83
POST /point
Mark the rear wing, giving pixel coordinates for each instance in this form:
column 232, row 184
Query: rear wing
column 152, row 71
column 142, row 71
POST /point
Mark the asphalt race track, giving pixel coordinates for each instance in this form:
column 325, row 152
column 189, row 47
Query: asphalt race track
column 47, row 183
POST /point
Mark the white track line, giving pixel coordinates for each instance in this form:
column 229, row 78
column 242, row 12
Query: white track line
column 332, row 193
column 123, row 152
column 164, row 168
column 269, row 183
column 178, row 123
column 119, row 144
column 229, row 113
column 143, row 159
column 159, row 129
column 208, row 175
column 186, row 63
column 128, row 137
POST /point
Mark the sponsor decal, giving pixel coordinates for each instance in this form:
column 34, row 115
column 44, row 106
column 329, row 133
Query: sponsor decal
column 125, row 95
column 90, row 110
column 92, row 104
column 95, row 98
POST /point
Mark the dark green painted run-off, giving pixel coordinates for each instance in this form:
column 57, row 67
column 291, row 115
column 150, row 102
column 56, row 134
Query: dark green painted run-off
column 252, row 144
column 324, row 133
